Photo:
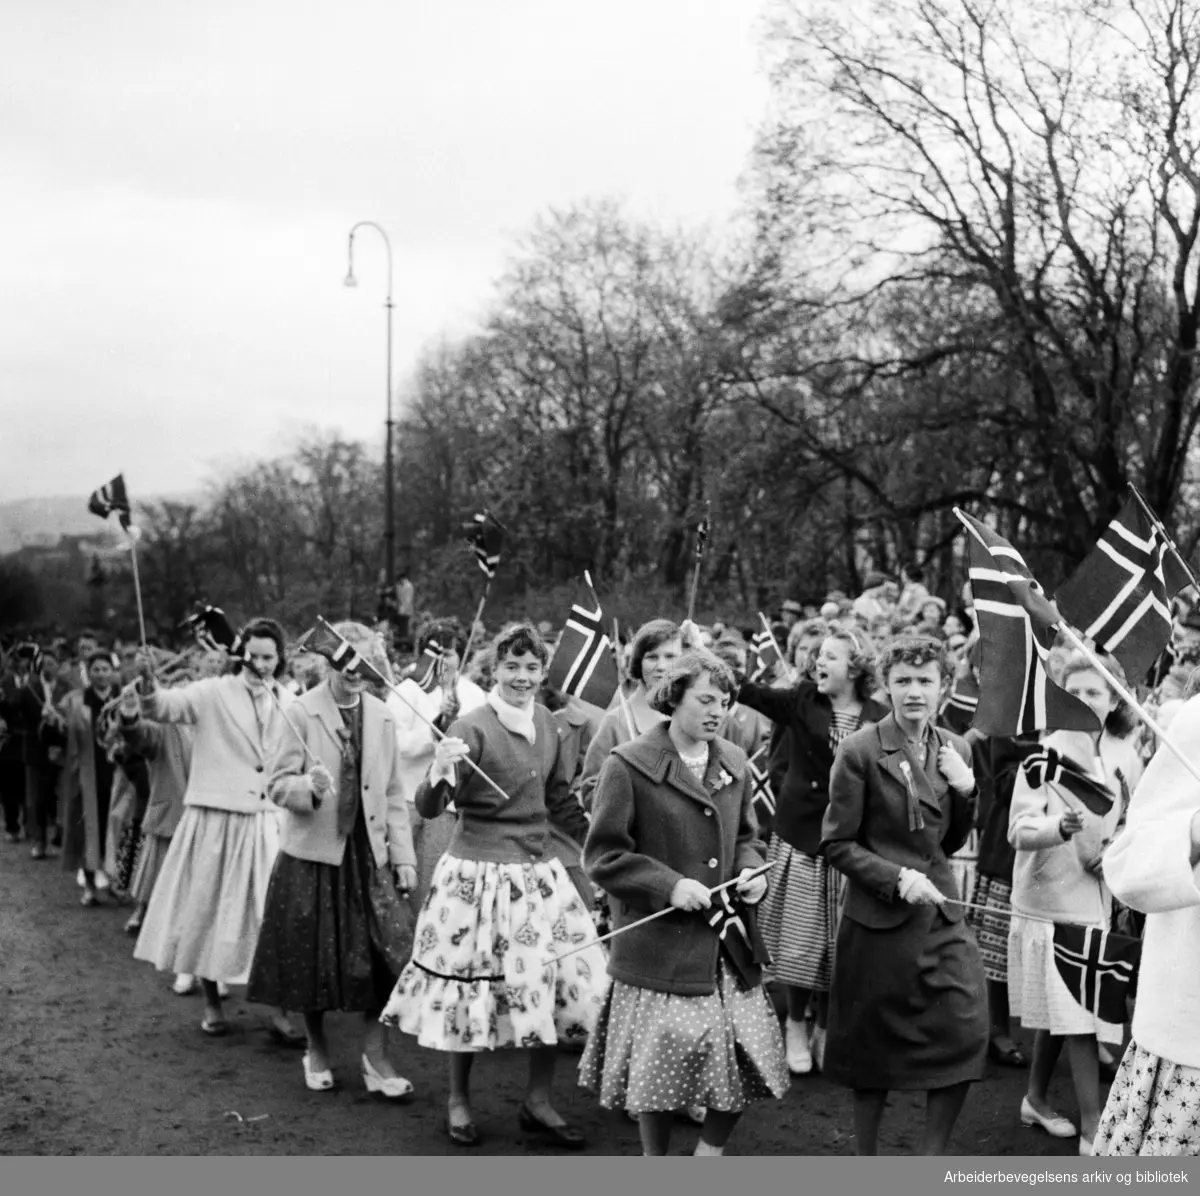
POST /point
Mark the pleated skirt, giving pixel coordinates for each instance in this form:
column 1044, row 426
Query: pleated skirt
column 151, row 854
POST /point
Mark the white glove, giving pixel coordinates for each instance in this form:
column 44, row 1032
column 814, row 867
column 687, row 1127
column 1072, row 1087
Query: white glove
column 955, row 769
column 917, row 889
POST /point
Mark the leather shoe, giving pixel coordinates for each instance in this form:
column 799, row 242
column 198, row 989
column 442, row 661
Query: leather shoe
column 462, row 1135
column 566, row 1136
column 317, row 1081
column 1055, row 1125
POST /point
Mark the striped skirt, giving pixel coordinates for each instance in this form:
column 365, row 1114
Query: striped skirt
column 991, row 925
column 799, row 916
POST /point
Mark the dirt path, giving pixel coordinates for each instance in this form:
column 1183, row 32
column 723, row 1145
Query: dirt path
column 98, row 1056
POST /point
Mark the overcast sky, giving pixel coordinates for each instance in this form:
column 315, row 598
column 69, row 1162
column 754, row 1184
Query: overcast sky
column 177, row 182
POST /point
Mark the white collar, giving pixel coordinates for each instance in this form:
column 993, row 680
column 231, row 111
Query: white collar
column 519, row 722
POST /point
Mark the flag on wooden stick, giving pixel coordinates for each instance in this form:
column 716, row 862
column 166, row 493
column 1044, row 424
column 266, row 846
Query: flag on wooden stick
column 1120, row 596
column 110, row 498
column 430, row 660
column 584, row 664
column 1017, row 624
column 765, row 657
column 1045, row 766
column 214, row 631
column 325, row 641
column 486, row 536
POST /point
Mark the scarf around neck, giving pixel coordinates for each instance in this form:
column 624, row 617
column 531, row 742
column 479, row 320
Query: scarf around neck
column 519, row 722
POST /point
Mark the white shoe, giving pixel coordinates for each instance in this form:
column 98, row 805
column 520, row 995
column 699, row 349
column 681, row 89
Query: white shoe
column 1085, row 1146
column 799, row 1056
column 393, row 1087
column 696, row 1114
column 184, row 985
column 1055, row 1125
column 222, row 989
column 102, row 881
column 317, row 1081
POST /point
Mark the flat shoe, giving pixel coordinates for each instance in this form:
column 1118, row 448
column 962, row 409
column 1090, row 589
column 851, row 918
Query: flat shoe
column 393, row 1087
column 1054, row 1125
column 566, row 1136
column 216, row 1027
column 462, row 1135
column 133, row 925
column 317, row 1081
column 184, row 985
column 1085, row 1146
column 1006, row 1056
column 89, row 899
column 37, row 853
column 289, row 1036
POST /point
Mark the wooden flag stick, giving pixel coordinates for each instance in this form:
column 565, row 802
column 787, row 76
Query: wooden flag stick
column 662, row 913
column 137, row 588
column 1162, row 531
column 283, row 715
column 621, row 683
column 466, row 656
column 700, row 546
column 1134, row 704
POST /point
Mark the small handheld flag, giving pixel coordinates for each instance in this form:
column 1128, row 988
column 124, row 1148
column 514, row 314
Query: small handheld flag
column 486, row 536
column 110, row 498
column 325, row 641
column 426, row 674
column 737, row 928
column 761, row 791
column 1045, row 766
column 1097, row 967
column 765, row 657
column 583, row 664
column 213, row 631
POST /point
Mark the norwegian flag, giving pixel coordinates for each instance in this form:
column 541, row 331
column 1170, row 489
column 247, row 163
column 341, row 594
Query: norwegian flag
column 760, row 787
column 737, row 927
column 584, row 664
column 766, row 657
column 486, row 536
column 110, row 498
column 1016, row 630
column 426, row 674
column 324, row 641
column 1120, row 596
column 1097, row 967
column 1045, row 766
column 213, row 631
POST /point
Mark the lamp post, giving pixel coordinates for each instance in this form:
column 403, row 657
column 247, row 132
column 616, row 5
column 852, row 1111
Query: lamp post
column 389, row 499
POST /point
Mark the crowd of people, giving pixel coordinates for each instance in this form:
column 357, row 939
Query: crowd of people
column 442, row 853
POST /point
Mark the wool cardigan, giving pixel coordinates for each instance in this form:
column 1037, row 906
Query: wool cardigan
column 310, row 832
column 231, row 762
column 654, row 824
column 489, row 828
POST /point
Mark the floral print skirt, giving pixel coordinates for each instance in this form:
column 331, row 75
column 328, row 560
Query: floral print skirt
column 1153, row 1108
column 481, row 976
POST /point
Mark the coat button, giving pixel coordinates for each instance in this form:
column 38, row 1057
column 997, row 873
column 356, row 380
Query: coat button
column 712, row 863
column 258, row 768
column 707, row 813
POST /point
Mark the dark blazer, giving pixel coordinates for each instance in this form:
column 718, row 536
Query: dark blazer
column 653, row 824
column 801, row 758
column 866, row 832
column 29, row 701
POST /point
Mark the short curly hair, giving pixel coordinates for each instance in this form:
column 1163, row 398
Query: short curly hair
column 917, row 651
column 862, row 657
column 517, row 639
column 650, row 636
column 684, row 673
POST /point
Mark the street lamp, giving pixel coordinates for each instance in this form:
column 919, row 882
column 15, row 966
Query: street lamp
column 389, row 502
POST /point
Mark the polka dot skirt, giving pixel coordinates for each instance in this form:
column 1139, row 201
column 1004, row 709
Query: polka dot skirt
column 658, row 1052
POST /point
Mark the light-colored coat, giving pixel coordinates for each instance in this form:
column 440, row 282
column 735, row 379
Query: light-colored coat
column 308, row 833
column 79, row 782
column 1050, row 874
column 231, row 761
column 1149, row 867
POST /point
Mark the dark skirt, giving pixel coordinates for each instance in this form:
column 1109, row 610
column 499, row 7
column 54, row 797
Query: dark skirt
column 333, row 937
column 908, row 1008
